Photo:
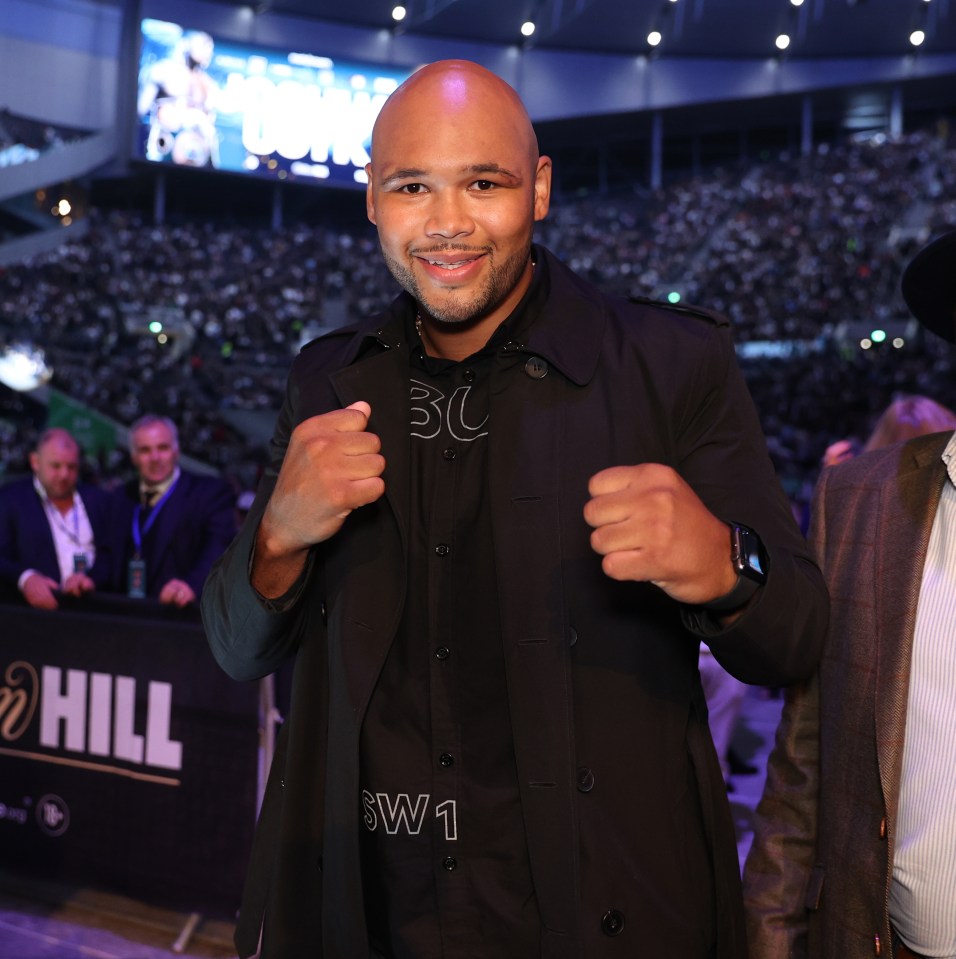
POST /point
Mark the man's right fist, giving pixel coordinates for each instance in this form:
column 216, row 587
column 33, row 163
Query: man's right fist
column 331, row 467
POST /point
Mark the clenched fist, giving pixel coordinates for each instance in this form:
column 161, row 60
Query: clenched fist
column 650, row 526
column 331, row 467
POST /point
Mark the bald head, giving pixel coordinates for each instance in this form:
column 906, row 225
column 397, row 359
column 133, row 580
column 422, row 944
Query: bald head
column 452, row 92
column 56, row 464
column 455, row 186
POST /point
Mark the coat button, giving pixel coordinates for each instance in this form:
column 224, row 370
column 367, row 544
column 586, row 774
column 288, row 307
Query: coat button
column 573, row 637
column 536, row 368
column 883, row 828
column 323, row 611
column 441, row 653
column 446, row 760
column 442, row 549
column 585, row 779
column 449, row 453
column 613, row 922
column 877, row 945
column 468, row 376
column 449, row 863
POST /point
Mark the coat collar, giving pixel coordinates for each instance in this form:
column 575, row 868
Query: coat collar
column 567, row 330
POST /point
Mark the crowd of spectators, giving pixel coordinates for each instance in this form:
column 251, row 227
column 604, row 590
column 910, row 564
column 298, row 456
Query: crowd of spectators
column 798, row 249
column 23, row 139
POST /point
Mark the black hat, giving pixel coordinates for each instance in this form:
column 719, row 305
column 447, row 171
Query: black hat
column 929, row 286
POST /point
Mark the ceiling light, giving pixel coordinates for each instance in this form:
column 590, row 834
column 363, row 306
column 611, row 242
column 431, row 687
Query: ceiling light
column 398, row 13
column 917, row 37
column 654, row 38
column 782, row 42
column 797, row 3
column 527, row 28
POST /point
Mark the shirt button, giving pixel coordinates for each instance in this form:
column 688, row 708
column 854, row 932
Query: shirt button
column 449, row 863
column 446, row 760
column 441, row 652
column 613, row 922
column 442, row 549
column 449, row 453
column 536, row 368
column 468, row 376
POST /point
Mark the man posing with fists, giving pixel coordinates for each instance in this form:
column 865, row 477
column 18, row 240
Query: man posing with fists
column 499, row 520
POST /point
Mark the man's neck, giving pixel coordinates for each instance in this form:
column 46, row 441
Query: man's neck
column 454, row 341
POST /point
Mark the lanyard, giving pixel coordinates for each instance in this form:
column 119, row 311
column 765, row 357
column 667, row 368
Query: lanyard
column 57, row 517
column 138, row 533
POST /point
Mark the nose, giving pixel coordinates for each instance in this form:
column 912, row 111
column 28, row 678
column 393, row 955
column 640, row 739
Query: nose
column 449, row 215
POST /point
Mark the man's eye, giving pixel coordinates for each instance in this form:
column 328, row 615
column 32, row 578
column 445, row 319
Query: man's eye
column 412, row 188
column 484, row 185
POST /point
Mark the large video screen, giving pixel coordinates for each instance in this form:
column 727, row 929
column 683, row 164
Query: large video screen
column 213, row 103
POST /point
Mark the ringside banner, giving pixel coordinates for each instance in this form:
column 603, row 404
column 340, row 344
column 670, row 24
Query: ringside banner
column 128, row 760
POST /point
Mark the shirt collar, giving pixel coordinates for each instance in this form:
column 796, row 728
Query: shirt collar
column 949, row 458
column 161, row 488
column 44, row 496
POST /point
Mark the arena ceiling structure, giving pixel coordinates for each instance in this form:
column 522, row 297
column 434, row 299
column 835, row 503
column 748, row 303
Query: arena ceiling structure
column 727, row 29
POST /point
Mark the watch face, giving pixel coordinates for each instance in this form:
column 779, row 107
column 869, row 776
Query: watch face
column 748, row 554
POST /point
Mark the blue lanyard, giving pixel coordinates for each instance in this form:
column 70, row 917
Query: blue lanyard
column 138, row 533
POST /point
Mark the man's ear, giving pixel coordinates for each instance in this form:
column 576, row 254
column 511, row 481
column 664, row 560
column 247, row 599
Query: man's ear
column 542, row 188
column 369, row 198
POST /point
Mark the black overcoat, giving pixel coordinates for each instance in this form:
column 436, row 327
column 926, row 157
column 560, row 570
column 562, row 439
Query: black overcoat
column 616, row 771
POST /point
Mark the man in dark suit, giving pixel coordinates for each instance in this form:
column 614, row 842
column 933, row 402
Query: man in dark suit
column 498, row 520
column 55, row 536
column 179, row 523
column 855, row 841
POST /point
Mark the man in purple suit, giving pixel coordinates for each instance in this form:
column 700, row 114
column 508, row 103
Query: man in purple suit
column 55, row 535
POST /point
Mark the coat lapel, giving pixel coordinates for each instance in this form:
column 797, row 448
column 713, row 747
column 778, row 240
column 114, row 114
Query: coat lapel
column 906, row 512
column 370, row 568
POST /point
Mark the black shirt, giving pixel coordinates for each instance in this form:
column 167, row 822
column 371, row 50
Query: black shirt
column 444, row 854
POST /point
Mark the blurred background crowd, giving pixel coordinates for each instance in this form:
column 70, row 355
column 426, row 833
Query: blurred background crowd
column 197, row 318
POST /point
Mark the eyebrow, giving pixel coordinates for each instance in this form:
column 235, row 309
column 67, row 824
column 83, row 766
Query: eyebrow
column 476, row 169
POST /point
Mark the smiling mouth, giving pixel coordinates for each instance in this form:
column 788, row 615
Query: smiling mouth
column 445, row 263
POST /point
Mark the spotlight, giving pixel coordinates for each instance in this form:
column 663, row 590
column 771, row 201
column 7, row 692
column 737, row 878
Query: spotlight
column 23, row 367
column 654, row 38
column 782, row 42
column 917, row 37
column 399, row 13
column 527, row 28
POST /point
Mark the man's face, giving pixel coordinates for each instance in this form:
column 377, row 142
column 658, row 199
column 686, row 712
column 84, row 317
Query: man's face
column 56, row 465
column 154, row 453
column 455, row 187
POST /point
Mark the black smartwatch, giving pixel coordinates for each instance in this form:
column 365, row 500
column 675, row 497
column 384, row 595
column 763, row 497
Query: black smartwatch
column 750, row 562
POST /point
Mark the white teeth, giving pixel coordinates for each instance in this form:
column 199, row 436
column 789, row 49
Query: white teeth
column 444, row 265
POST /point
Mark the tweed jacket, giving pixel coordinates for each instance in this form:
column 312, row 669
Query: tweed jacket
column 604, row 694
column 818, row 877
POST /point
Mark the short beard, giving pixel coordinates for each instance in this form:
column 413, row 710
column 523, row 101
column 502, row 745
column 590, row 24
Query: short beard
column 501, row 281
